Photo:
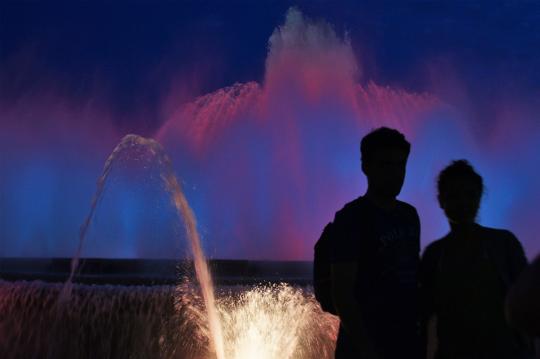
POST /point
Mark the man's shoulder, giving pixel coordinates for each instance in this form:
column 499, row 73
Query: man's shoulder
column 352, row 216
column 502, row 237
column 507, row 250
column 435, row 247
column 351, row 207
column 407, row 207
column 497, row 233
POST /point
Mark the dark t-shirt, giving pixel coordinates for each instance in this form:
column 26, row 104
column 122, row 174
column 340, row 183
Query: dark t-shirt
column 386, row 246
column 465, row 282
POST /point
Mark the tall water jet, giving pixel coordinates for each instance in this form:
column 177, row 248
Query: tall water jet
column 184, row 210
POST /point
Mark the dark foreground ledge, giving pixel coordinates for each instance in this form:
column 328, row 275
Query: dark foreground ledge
column 154, row 271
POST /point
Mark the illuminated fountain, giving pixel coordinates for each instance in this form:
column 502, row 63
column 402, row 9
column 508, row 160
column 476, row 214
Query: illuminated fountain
column 183, row 321
column 294, row 138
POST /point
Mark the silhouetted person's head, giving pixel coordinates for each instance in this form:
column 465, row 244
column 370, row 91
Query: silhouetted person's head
column 460, row 190
column 384, row 159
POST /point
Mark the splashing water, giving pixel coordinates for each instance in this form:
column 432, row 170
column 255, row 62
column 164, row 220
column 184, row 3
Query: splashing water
column 276, row 321
column 162, row 322
column 184, row 211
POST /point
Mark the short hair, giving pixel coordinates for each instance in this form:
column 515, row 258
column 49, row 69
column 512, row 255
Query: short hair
column 381, row 138
column 459, row 169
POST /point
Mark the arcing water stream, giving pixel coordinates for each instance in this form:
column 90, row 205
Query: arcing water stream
column 184, row 211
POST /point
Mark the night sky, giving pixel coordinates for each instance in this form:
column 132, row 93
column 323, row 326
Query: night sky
column 264, row 163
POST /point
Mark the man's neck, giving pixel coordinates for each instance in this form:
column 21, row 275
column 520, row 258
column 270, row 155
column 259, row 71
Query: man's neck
column 384, row 202
column 463, row 230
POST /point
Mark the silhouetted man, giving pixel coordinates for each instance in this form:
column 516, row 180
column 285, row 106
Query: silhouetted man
column 375, row 254
column 464, row 277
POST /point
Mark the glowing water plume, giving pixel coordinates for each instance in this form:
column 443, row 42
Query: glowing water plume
column 285, row 149
column 276, row 321
column 158, row 155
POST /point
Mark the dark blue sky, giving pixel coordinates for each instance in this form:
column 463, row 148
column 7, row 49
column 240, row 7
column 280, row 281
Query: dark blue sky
column 133, row 50
column 68, row 71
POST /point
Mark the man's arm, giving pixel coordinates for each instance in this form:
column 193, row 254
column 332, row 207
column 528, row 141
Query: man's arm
column 426, row 273
column 523, row 300
column 517, row 258
column 344, row 276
